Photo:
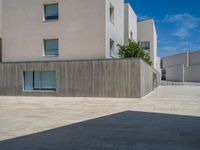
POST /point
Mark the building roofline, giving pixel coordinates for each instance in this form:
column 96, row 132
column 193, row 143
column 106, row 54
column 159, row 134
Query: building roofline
column 127, row 3
column 145, row 20
column 189, row 51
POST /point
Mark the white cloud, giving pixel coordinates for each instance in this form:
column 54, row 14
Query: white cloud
column 185, row 23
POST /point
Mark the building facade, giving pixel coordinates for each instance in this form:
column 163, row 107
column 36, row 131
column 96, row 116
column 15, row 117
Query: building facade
column 182, row 67
column 130, row 24
column 54, row 32
column 148, row 37
column 49, row 30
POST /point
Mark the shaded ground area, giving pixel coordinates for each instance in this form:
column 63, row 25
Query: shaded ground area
column 167, row 119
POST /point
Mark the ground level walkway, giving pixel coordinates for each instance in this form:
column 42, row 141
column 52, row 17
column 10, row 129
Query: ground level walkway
column 167, row 119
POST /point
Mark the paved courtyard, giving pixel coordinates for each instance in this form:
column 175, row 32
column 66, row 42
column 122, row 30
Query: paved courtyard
column 167, row 119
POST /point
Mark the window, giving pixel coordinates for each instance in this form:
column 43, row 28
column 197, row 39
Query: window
column 112, row 10
column 145, row 45
column 51, row 47
column 112, row 47
column 51, row 11
column 131, row 35
column 40, row 81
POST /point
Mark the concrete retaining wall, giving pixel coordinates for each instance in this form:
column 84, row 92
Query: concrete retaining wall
column 90, row 78
column 150, row 78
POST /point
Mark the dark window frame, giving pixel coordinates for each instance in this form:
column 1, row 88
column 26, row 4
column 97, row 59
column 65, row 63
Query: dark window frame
column 50, row 18
column 33, row 81
column 45, row 48
column 146, row 45
column 112, row 13
column 112, row 46
column 131, row 35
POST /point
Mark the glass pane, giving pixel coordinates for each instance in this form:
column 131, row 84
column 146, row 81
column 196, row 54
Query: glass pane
column 51, row 11
column 51, row 47
column 48, row 80
column 28, row 80
column 145, row 45
column 36, row 80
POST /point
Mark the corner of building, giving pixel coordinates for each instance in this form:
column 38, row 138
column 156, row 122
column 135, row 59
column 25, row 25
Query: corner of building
column 114, row 27
column 130, row 23
column 147, row 34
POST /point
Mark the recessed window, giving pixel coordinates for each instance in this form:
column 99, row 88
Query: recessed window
column 51, row 47
column 112, row 12
column 39, row 81
column 145, row 45
column 112, row 47
column 131, row 35
column 51, row 12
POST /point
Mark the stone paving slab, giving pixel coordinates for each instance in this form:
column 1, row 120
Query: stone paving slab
column 167, row 119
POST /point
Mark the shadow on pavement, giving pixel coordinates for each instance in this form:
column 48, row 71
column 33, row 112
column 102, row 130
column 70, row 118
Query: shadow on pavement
column 123, row 131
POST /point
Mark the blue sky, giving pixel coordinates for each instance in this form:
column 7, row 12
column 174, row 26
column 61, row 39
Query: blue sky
column 177, row 23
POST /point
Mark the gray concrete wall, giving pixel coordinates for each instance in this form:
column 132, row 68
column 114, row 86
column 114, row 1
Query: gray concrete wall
column 175, row 73
column 188, row 74
column 92, row 78
column 192, row 73
column 150, row 78
column 194, row 58
column 174, row 67
column 178, row 59
column 173, row 60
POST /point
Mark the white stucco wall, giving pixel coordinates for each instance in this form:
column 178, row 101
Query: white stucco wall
column 130, row 23
column 147, row 32
column 114, row 31
column 80, row 29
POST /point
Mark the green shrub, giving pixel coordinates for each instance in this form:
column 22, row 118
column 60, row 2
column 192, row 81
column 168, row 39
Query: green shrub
column 133, row 49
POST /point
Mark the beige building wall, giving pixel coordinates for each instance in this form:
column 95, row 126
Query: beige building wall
column 175, row 73
column 147, row 32
column 130, row 23
column 188, row 61
column 192, row 73
column 174, row 60
column 115, row 29
column 194, row 58
column 84, row 29
column 80, row 29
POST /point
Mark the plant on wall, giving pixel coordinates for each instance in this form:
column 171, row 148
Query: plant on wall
column 133, row 49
